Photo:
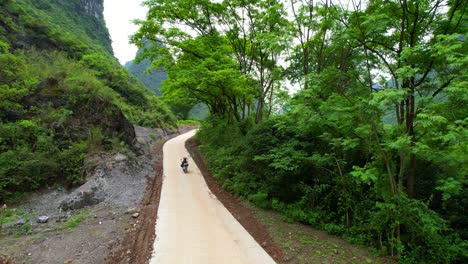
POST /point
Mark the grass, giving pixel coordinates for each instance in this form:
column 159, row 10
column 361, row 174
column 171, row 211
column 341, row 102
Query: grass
column 9, row 216
column 78, row 218
column 188, row 122
column 302, row 244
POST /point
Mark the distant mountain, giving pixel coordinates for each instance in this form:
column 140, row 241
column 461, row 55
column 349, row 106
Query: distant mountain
column 152, row 80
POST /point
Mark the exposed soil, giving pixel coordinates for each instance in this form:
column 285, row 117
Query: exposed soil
column 244, row 215
column 136, row 247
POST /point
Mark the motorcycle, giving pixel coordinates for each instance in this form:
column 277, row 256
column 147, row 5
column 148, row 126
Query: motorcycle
column 184, row 167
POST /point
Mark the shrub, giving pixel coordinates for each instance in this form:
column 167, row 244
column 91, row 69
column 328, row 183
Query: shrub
column 27, row 157
column 425, row 232
column 72, row 162
column 334, row 229
column 260, row 199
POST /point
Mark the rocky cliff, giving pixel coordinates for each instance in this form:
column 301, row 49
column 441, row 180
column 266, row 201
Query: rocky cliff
column 92, row 7
column 59, row 20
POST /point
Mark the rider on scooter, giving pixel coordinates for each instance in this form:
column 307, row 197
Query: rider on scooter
column 184, row 164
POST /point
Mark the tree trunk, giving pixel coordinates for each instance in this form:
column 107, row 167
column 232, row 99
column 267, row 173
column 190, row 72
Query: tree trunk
column 411, row 175
column 411, row 115
column 259, row 114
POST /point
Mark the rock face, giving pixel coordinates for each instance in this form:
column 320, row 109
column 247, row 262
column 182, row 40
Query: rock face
column 89, row 113
column 82, row 18
column 97, row 29
column 93, row 7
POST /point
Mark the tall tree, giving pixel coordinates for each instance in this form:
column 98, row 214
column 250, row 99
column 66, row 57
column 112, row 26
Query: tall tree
column 406, row 37
column 255, row 31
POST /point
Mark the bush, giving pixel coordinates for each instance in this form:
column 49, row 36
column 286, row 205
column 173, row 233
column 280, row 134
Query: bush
column 425, row 233
column 26, row 157
column 260, row 200
column 52, row 86
column 334, row 229
column 12, row 86
column 72, row 163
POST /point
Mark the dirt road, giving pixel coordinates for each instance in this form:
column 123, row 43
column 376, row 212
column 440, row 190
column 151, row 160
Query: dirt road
column 193, row 226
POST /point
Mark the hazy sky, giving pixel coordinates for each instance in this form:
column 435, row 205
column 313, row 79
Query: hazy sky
column 118, row 15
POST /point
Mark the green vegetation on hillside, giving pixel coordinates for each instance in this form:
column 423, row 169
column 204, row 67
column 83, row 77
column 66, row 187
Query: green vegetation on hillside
column 63, row 96
column 73, row 16
column 325, row 157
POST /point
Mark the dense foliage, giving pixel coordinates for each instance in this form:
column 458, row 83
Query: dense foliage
column 63, row 96
column 372, row 147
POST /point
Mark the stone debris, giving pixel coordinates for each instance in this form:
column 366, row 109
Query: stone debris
column 132, row 211
column 119, row 157
column 21, row 222
column 135, row 215
column 43, row 219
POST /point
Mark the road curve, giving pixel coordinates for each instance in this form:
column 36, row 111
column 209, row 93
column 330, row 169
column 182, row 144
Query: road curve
column 193, row 226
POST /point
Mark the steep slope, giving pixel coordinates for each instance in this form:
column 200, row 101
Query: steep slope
column 63, row 96
column 83, row 18
column 70, row 26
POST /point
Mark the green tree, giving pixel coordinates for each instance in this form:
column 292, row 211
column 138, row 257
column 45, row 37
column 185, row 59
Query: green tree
column 257, row 33
column 257, row 50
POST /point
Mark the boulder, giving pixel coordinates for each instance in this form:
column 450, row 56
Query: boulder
column 82, row 198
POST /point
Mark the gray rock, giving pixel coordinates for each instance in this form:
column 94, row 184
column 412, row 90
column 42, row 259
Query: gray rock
column 43, row 219
column 120, row 157
column 135, row 215
column 131, row 211
column 82, row 198
column 21, row 222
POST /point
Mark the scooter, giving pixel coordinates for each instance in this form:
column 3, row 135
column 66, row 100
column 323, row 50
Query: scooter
column 184, row 167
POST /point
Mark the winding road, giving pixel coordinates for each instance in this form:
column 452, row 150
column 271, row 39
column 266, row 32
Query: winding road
column 193, row 226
